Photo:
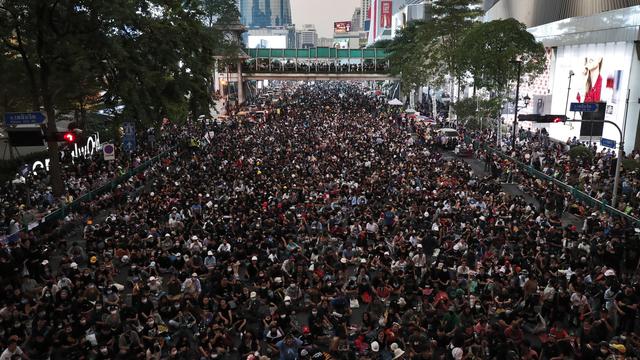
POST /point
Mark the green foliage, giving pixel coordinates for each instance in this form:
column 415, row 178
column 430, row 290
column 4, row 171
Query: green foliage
column 580, row 153
column 155, row 58
column 380, row 44
column 407, row 55
column 451, row 20
column 455, row 45
column 487, row 49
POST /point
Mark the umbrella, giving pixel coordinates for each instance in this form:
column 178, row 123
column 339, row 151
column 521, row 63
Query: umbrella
column 408, row 111
column 395, row 102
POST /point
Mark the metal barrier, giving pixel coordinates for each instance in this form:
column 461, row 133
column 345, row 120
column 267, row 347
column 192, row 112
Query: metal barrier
column 64, row 210
column 575, row 193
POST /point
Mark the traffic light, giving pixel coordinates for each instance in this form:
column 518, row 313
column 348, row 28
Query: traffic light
column 543, row 118
column 70, row 137
column 553, row 119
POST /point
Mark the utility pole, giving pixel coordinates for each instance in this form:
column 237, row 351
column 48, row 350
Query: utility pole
column 616, row 180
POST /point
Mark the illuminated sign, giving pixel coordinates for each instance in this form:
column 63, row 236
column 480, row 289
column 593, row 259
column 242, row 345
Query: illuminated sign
column 340, row 27
column 90, row 147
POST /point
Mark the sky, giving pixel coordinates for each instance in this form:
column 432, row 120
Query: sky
column 322, row 13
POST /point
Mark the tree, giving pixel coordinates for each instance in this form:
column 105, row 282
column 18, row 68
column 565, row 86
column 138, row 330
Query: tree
column 219, row 12
column 408, row 55
column 451, row 19
column 155, row 58
column 53, row 39
column 476, row 113
column 487, row 49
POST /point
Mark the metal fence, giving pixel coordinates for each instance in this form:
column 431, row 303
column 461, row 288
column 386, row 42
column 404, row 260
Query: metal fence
column 575, row 193
column 64, row 210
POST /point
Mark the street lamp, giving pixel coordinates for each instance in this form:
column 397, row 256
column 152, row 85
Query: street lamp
column 571, row 73
column 515, row 116
column 526, row 100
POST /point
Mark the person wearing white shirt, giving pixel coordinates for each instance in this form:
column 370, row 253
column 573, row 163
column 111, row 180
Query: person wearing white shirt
column 13, row 349
column 224, row 247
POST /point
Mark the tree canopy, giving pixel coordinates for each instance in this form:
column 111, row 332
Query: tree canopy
column 154, row 57
column 454, row 45
column 487, row 50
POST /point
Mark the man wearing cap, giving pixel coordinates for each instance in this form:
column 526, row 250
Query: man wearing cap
column 210, row 260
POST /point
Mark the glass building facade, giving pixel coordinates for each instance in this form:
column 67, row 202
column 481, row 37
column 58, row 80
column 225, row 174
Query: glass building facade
column 265, row 13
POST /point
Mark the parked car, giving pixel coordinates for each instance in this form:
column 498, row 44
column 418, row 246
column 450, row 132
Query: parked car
column 447, row 138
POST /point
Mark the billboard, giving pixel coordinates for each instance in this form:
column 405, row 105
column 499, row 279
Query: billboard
column 342, row 27
column 600, row 75
column 385, row 14
column 267, row 41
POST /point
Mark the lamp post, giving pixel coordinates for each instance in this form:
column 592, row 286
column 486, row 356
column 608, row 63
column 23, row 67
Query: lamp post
column 571, row 73
column 527, row 100
column 616, row 180
column 515, row 116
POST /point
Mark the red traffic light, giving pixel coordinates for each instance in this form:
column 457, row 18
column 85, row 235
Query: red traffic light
column 69, row 137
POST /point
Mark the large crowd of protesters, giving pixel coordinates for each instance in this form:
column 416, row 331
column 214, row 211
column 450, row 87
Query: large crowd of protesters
column 332, row 228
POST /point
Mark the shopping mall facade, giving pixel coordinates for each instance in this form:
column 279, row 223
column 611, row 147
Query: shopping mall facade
column 598, row 41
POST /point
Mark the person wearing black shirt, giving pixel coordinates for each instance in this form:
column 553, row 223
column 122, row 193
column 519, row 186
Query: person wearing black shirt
column 628, row 303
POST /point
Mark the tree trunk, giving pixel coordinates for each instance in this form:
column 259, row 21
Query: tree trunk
column 434, row 101
column 451, row 87
column 55, row 170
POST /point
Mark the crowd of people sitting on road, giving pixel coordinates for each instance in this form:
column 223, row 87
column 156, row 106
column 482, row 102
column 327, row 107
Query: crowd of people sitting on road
column 334, row 229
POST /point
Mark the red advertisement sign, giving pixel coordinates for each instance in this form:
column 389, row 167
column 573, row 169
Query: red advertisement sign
column 385, row 14
column 342, row 26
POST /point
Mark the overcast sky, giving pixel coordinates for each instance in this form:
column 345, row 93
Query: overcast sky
column 322, row 13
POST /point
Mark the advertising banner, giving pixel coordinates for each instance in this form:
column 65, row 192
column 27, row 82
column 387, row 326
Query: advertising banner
column 267, row 41
column 385, row 14
column 340, row 27
column 592, row 73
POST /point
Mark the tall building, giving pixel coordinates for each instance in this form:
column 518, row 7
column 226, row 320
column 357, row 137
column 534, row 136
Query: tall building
column 265, row 13
column 365, row 12
column 356, row 25
column 307, row 37
column 540, row 12
column 324, row 42
column 410, row 10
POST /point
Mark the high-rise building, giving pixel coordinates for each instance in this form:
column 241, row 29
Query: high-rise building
column 365, row 6
column 539, row 12
column 264, row 13
column 307, row 37
column 355, row 20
